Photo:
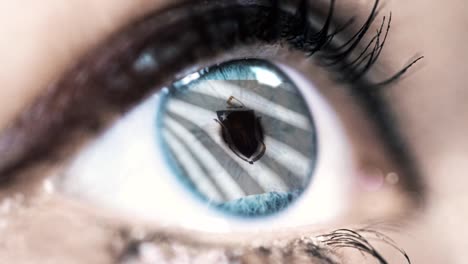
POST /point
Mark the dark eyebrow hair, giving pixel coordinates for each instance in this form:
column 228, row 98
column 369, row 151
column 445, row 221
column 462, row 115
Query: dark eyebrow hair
column 103, row 85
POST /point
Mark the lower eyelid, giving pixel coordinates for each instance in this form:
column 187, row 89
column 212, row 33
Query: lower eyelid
column 331, row 247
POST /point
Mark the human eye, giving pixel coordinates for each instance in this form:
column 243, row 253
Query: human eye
column 263, row 111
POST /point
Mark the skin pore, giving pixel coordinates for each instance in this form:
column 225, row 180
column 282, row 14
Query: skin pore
column 428, row 103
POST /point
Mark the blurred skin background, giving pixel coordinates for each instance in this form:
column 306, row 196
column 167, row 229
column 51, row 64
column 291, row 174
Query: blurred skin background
column 39, row 41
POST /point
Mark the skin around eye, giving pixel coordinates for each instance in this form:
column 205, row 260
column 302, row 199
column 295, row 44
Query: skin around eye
column 110, row 186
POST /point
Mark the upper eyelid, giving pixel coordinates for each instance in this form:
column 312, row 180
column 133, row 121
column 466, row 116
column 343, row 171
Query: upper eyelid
column 79, row 103
column 24, row 141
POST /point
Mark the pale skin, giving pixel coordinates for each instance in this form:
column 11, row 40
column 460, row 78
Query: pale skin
column 430, row 104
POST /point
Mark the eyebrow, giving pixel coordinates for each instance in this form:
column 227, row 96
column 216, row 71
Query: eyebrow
column 102, row 87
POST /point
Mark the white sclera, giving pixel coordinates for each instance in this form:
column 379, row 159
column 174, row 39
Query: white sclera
column 124, row 170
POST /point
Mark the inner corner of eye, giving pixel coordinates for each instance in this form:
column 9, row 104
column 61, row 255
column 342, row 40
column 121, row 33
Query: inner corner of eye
column 239, row 136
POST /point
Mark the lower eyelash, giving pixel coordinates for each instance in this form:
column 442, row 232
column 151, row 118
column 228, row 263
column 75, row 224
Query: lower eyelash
column 325, row 248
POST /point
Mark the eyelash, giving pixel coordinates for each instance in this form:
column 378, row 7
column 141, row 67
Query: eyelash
column 274, row 25
column 271, row 24
column 104, row 83
column 327, row 251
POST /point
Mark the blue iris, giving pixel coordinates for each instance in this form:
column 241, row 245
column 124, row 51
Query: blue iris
column 200, row 144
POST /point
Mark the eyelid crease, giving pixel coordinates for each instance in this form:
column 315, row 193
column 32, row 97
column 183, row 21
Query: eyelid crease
column 103, row 85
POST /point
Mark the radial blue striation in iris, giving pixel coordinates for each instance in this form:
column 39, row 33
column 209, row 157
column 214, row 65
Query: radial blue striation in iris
column 239, row 136
column 260, row 205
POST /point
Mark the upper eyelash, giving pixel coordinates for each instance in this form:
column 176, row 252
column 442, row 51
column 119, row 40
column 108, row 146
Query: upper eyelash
column 96, row 88
column 337, row 57
column 297, row 32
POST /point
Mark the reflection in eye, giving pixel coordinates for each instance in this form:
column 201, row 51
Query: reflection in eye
column 240, row 136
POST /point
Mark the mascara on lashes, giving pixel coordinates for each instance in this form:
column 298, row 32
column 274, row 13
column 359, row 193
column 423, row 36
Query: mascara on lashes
column 105, row 83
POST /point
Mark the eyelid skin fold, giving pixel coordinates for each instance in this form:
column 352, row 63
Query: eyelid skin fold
column 328, row 248
column 106, row 83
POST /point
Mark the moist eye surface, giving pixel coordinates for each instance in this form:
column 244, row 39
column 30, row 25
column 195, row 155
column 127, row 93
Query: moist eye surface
column 239, row 136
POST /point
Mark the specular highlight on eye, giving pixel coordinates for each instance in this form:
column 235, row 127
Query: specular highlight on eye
column 239, row 136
